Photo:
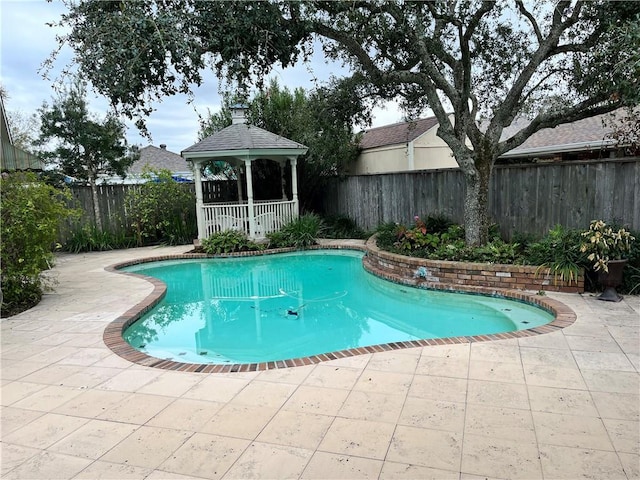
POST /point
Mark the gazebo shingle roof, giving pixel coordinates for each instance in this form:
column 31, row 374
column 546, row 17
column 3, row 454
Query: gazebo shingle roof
column 242, row 136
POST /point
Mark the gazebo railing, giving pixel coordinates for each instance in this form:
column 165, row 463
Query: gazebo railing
column 268, row 217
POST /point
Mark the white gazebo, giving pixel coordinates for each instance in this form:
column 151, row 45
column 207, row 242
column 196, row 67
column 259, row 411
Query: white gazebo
column 239, row 145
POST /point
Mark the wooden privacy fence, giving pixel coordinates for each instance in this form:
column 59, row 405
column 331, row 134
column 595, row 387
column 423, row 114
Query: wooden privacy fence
column 523, row 198
column 113, row 205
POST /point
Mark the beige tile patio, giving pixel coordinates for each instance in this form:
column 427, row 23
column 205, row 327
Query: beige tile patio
column 439, row 388
column 603, row 361
column 267, row 394
column 13, row 418
column 445, row 366
column 240, row 421
column 325, row 401
column 610, row 381
column 112, row 471
column 44, row 431
column 500, row 458
column 186, row 414
column 294, row 376
column 624, row 434
column 90, row 377
column 48, row 399
column 562, row 400
column 93, row 439
column 571, row 431
column 163, row 475
column 215, row 388
column 12, row 456
column 379, row 407
column 130, row 380
column 602, row 343
column 500, row 423
column 384, row 382
column 361, row 438
column 630, row 464
column 403, row 471
column 297, row 429
column 554, row 377
column 325, row 465
column 498, row 394
column 495, row 352
column 261, row 460
column 496, row 371
column 428, row 448
column 137, row 408
column 206, row 456
column 433, row 414
column 147, row 447
column 15, row 391
column 547, row 357
column 16, row 369
column 579, row 463
column 47, row 466
column 404, row 361
column 91, row 403
column 52, row 374
column 330, row 376
column 172, row 384
column 624, row 406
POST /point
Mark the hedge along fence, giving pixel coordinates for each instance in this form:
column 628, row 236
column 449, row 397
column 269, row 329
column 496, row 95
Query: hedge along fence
column 113, row 206
column 528, row 198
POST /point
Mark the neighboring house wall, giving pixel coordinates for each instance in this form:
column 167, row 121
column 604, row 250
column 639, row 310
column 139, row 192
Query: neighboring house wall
column 416, row 146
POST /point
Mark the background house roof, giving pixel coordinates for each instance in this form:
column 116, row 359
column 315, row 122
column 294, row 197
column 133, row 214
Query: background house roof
column 398, row 133
column 159, row 158
column 242, row 136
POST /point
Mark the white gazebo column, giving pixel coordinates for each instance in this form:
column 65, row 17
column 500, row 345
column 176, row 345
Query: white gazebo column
column 294, row 186
column 282, row 179
column 252, row 216
column 202, row 232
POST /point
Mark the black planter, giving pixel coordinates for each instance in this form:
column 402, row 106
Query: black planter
column 610, row 280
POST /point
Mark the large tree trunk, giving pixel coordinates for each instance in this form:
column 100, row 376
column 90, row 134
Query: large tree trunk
column 96, row 203
column 476, row 202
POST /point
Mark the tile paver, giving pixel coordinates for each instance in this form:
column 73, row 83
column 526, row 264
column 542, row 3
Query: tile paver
column 563, row 405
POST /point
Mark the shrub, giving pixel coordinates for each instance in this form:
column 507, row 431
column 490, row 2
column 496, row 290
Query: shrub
column 31, row 214
column 299, row 233
column 88, row 238
column 228, row 241
column 340, row 226
column 603, row 243
column 161, row 210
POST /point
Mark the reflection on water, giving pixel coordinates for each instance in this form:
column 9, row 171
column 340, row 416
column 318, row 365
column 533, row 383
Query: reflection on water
column 285, row 306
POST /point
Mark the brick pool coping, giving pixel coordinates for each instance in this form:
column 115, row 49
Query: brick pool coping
column 114, row 340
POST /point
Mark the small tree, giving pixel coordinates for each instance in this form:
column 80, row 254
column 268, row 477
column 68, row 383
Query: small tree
column 31, row 214
column 83, row 146
column 161, row 210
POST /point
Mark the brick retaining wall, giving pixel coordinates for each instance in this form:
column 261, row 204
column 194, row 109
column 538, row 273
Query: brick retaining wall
column 437, row 273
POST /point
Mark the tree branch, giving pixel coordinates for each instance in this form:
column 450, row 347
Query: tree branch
column 531, row 19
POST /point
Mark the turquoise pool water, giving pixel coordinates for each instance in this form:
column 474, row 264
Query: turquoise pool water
column 277, row 307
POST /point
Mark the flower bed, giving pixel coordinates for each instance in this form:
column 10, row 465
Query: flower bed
column 436, row 273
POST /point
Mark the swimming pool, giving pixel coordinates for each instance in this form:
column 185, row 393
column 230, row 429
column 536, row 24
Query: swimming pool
column 277, row 307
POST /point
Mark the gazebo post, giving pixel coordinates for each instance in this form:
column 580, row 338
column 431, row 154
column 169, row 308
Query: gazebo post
column 282, row 179
column 239, row 183
column 199, row 201
column 252, row 217
column 294, row 186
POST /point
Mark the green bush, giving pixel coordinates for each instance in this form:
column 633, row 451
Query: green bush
column 31, row 214
column 299, row 233
column 161, row 211
column 340, row 226
column 228, row 241
column 88, row 238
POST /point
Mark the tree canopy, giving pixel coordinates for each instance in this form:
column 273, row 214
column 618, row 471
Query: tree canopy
column 313, row 119
column 485, row 61
column 81, row 145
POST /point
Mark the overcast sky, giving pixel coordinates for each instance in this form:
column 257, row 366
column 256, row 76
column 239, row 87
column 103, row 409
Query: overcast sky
column 27, row 41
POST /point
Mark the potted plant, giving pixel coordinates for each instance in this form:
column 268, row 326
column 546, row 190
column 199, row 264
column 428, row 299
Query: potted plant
column 608, row 249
